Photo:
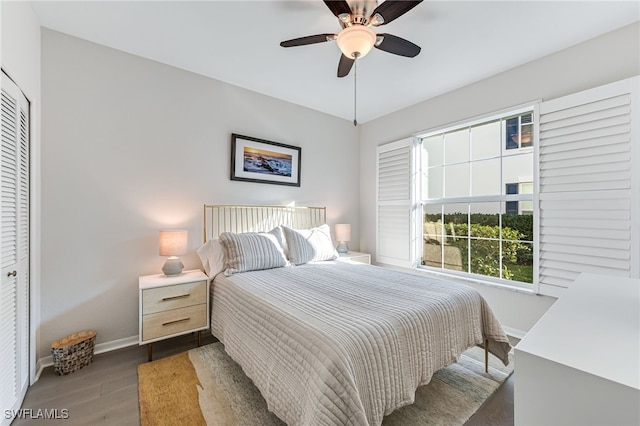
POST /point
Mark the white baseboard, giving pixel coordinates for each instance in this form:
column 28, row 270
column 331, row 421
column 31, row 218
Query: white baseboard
column 100, row 348
column 513, row 332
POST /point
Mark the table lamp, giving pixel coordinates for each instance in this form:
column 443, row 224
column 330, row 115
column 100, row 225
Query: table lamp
column 173, row 243
column 343, row 234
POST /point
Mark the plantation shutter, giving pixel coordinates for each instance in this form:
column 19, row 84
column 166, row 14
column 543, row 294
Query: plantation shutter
column 14, row 247
column 589, row 186
column 394, row 203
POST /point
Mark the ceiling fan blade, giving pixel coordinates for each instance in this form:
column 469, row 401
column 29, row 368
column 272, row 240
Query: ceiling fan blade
column 390, row 10
column 302, row 41
column 397, row 46
column 344, row 66
column 338, row 7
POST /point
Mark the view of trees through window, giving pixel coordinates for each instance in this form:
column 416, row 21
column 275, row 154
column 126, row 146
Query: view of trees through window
column 477, row 198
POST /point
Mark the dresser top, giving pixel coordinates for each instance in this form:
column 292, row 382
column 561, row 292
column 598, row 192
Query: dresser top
column 594, row 328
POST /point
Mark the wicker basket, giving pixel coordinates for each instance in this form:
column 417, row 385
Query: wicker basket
column 73, row 352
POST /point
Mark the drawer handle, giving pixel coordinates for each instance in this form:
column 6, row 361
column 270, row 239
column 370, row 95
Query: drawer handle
column 176, row 321
column 182, row 296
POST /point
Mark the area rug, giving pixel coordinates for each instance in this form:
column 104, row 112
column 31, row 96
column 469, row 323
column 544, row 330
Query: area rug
column 204, row 386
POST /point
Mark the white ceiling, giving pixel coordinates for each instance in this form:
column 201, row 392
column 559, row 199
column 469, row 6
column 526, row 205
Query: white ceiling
column 238, row 42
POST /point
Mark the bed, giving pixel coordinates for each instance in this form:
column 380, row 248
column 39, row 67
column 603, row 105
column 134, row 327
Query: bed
column 329, row 342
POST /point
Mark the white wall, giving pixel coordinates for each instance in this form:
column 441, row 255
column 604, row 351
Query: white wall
column 132, row 146
column 20, row 59
column 611, row 57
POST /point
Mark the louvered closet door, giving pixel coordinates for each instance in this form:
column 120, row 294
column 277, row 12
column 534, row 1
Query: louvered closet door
column 14, row 242
column 394, row 200
column 587, row 186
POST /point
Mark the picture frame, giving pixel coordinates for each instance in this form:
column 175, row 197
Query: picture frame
column 262, row 161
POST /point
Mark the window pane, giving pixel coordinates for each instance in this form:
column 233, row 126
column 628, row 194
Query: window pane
column 432, row 151
column 432, row 254
column 432, row 235
column 485, row 257
column 512, row 139
column 485, row 238
column 432, row 212
column 517, row 261
column 485, row 220
column 432, row 183
column 455, row 254
column 485, row 177
column 512, row 207
column 456, row 180
column 526, row 187
column 526, row 207
column 517, row 226
column 456, row 219
column 526, row 136
column 517, row 168
column 456, row 146
column 432, row 223
column 485, row 141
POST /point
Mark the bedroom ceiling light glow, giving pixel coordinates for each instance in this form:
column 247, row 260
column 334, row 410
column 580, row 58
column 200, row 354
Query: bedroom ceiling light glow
column 173, row 243
column 356, row 41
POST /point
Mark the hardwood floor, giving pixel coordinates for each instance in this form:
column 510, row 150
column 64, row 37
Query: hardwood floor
column 106, row 391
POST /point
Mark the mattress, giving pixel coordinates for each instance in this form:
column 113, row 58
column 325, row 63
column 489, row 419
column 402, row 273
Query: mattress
column 333, row 343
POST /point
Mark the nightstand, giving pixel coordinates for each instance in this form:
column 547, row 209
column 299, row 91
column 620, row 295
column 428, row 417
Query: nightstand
column 170, row 306
column 354, row 256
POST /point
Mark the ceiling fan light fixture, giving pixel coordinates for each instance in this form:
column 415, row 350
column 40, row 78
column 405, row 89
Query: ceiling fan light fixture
column 376, row 20
column 356, row 41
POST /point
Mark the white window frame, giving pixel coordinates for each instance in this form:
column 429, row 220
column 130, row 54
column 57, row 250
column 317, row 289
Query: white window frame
column 532, row 107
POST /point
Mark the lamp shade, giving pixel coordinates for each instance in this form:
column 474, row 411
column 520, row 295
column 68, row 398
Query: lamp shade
column 343, row 232
column 173, row 242
column 356, row 41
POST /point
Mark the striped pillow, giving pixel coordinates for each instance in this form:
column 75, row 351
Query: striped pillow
column 309, row 244
column 251, row 251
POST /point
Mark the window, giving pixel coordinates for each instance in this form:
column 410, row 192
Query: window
column 511, row 206
column 477, row 198
column 519, row 131
column 466, row 201
column 519, row 207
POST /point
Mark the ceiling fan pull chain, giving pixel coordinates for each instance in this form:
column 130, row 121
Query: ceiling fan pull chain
column 355, row 91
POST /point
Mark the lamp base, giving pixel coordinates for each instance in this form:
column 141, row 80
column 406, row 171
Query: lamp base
column 173, row 266
column 342, row 247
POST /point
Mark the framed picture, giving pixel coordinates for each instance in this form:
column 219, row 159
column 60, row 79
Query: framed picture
column 258, row 160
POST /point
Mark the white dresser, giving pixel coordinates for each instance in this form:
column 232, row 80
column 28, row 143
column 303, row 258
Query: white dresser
column 580, row 364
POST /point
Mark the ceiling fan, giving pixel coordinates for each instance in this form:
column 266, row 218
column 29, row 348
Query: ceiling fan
column 357, row 38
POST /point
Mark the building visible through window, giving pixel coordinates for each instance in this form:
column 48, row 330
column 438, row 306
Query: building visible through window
column 519, row 131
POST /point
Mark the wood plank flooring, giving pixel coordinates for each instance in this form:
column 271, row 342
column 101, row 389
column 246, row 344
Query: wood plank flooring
column 106, row 391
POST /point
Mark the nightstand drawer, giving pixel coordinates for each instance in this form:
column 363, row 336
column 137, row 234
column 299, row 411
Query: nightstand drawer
column 174, row 321
column 174, row 296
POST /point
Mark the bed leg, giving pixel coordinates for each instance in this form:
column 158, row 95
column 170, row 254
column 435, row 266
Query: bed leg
column 486, row 355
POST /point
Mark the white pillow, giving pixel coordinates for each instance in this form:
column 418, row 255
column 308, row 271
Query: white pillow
column 307, row 245
column 211, row 256
column 251, row 251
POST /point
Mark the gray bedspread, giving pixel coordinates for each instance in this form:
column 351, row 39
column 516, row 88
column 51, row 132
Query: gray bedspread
column 333, row 343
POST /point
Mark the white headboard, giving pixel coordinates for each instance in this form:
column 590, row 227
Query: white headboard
column 228, row 218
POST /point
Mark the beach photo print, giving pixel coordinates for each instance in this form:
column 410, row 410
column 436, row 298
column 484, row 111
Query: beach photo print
column 262, row 161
